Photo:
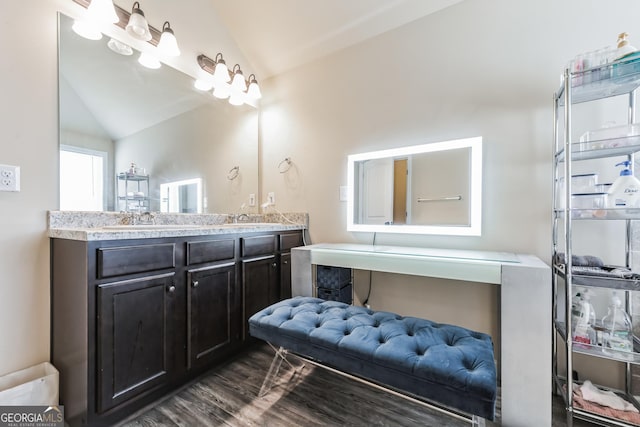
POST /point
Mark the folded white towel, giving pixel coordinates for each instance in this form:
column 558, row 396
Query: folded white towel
column 605, row 398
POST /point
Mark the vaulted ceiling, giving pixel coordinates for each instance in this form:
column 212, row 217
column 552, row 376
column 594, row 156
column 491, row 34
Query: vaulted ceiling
column 277, row 35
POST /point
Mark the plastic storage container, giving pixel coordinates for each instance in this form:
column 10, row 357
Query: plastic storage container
column 589, row 201
column 611, row 132
column 617, row 327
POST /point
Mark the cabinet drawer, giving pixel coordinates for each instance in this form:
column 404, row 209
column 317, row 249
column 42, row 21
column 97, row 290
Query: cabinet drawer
column 210, row 251
column 259, row 245
column 135, row 259
column 290, row 240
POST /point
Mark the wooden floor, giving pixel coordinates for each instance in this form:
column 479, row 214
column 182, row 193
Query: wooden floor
column 227, row 396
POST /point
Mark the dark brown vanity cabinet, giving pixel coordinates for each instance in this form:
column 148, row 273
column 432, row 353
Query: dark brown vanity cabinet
column 132, row 320
column 134, row 331
column 213, row 327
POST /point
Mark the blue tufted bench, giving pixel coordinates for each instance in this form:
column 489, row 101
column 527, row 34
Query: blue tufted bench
column 447, row 364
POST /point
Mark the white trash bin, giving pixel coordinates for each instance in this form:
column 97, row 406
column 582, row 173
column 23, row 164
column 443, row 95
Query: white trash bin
column 36, row 385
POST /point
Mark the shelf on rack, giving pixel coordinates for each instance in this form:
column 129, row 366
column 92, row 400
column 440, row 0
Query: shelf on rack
column 598, row 351
column 600, row 282
column 602, row 148
column 603, row 214
column 627, row 80
column 132, row 177
column 592, row 416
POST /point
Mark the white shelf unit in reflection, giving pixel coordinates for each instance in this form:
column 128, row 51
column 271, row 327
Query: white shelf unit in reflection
column 617, row 79
column 132, row 192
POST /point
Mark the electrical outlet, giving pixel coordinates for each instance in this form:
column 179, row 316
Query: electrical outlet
column 9, row 178
column 252, row 199
column 271, row 198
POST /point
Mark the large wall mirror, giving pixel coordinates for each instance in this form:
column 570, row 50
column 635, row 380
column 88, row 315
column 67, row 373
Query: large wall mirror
column 424, row 189
column 115, row 112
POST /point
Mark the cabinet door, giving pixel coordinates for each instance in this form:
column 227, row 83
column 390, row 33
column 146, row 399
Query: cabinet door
column 260, row 285
column 133, row 341
column 213, row 320
column 285, row 275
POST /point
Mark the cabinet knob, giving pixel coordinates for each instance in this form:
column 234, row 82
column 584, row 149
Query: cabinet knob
column 195, row 284
column 172, row 288
column 285, row 262
column 274, row 265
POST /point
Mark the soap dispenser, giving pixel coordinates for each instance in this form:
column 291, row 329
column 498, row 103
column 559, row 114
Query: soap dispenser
column 625, row 191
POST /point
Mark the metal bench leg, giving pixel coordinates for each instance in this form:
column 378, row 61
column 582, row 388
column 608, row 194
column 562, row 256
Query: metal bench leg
column 477, row 421
column 274, row 369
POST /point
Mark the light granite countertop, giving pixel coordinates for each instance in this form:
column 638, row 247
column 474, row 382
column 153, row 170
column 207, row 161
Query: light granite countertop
column 90, row 226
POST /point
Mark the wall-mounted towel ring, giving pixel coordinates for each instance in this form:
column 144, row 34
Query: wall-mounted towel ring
column 233, row 173
column 287, row 165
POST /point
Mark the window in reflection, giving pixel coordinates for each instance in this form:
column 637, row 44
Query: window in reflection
column 82, row 179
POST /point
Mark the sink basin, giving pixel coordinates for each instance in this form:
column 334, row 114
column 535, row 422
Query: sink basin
column 150, row 227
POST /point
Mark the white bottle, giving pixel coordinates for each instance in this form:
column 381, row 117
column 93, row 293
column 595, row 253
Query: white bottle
column 625, row 191
column 618, row 334
column 582, row 321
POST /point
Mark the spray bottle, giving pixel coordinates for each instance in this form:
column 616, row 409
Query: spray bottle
column 625, row 191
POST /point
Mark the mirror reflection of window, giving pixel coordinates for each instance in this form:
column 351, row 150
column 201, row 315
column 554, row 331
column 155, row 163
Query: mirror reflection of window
column 82, row 179
column 181, row 196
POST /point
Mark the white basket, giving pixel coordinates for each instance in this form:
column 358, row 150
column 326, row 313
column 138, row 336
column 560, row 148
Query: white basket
column 36, row 385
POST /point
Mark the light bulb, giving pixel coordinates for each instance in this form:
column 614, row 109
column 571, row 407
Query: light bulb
column 119, row 47
column 149, row 61
column 254, row 91
column 203, row 84
column 221, row 72
column 168, row 45
column 86, row 29
column 138, row 27
column 222, row 91
column 102, row 11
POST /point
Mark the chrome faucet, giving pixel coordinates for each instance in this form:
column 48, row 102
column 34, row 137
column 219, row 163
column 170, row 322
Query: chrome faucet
column 147, row 218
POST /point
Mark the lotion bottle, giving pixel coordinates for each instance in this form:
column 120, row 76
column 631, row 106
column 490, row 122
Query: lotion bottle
column 625, row 191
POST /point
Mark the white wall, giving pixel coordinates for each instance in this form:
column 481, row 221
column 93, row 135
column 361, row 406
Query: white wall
column 481, row 67
column 29, row 123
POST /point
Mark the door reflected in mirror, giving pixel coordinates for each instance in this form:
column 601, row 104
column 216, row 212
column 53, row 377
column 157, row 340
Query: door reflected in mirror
column 425, row 189
column 182, row 196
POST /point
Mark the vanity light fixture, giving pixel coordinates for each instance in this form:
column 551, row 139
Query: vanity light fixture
column 168, row 44
column 102, row 11
column 254, row 90
column 138, row 27
column 85, row 28
column 219, row 76
column 149, row 61
column 119, row 47
column 238, row 87
column 98, row 12
column 238, row 84
column 220, row 72
column 222, row 91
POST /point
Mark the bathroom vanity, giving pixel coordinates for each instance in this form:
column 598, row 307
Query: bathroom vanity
column 138, row 311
